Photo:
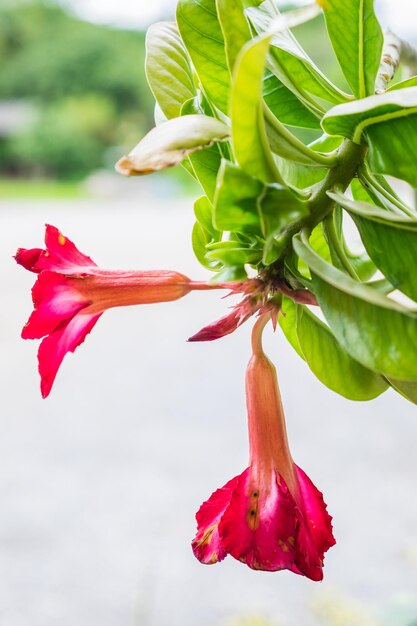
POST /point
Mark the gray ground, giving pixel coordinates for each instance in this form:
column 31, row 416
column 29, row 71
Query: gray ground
column 100, row 483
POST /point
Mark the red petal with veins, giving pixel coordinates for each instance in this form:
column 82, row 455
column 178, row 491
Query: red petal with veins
column 314, row 535
column 207, row 545
column 258, row 528
column 66, row 338
column 55, row 300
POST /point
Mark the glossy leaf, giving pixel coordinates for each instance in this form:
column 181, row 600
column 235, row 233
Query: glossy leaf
column 205, row 163
column 303, row 176
column 245, row 205
column 171, row 142
column 389, row 122
column 233, row 253
column 390, row 240
column 236, row 201
column 287, row 320
column 357, row 39
column 250, row 132
column 353, row 118
column 292, row 65
column 405, row 388
column 204, row 232
column 202, row 35
column 235, row 28
column 403, row 84
column 250, row 142
column 168, row 68
column 285, row 105
column 331, row 363
column 376, row 331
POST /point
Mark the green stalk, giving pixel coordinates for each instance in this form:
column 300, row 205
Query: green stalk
column 371, row 181
column 336, row 247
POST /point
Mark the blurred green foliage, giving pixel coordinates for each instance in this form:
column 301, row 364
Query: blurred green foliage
column 85, row 82
column 87, row 86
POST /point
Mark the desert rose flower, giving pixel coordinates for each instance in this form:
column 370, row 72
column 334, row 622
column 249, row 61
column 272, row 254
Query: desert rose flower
column 270, row 517
column 71, row 292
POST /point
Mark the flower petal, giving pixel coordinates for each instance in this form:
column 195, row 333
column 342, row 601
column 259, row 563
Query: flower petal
column 28, row 258
column 61, row 254
column 66, row 338
column 258, row 528
column 207, row 545
column 55, row 299
column 314, row 535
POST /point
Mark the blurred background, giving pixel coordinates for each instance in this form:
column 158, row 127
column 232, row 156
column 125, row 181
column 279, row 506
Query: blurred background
column 99, row 484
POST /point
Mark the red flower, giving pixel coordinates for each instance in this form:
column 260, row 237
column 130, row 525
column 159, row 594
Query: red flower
column 270, row 517
column 71, row 293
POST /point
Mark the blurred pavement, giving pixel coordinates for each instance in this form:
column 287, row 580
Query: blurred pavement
column 99, row 484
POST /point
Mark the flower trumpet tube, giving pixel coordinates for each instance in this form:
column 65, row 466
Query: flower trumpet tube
column 71, row 292
column 270, row 517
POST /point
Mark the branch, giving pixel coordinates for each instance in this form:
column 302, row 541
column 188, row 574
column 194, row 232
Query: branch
column 395, row 51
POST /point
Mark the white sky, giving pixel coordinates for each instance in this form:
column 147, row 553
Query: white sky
column 400, row 15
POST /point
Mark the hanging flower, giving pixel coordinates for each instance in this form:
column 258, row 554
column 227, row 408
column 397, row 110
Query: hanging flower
column 270, row 517
column 71, row 292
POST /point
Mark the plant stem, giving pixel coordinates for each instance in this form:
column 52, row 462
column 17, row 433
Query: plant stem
column 367, row 177
column 336, row 246
column 349, row 158
column 327, row 160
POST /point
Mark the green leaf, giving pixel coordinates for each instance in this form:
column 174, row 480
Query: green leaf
column 376, row 331
column 234, row 254
column 244, row 204
column 319, row 244
column 249, row 129
column 235, row 28
column 390, row 240
column 236, row 200
column 353, row 118
column 201, row 33
column 250, row 142
column 303, row 176
column 292, row 65
column 203, row 211
column 204, row 232
column 168, row 68
column 389, row 122
column 199, row 240
column 406, row 389
column 331, row 363
column 285, row 105
column 288, row 146
column 205, row 163
column 171, row 142
column 287, row 320
column 408, row 82
column 279, row 210
column 357, row 39
column 230, row 275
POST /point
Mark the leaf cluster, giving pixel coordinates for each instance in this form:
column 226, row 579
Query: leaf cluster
column 281, row 208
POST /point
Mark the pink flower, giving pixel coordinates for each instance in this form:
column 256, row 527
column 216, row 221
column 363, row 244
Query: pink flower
column 270, row 517
column 71, row 292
